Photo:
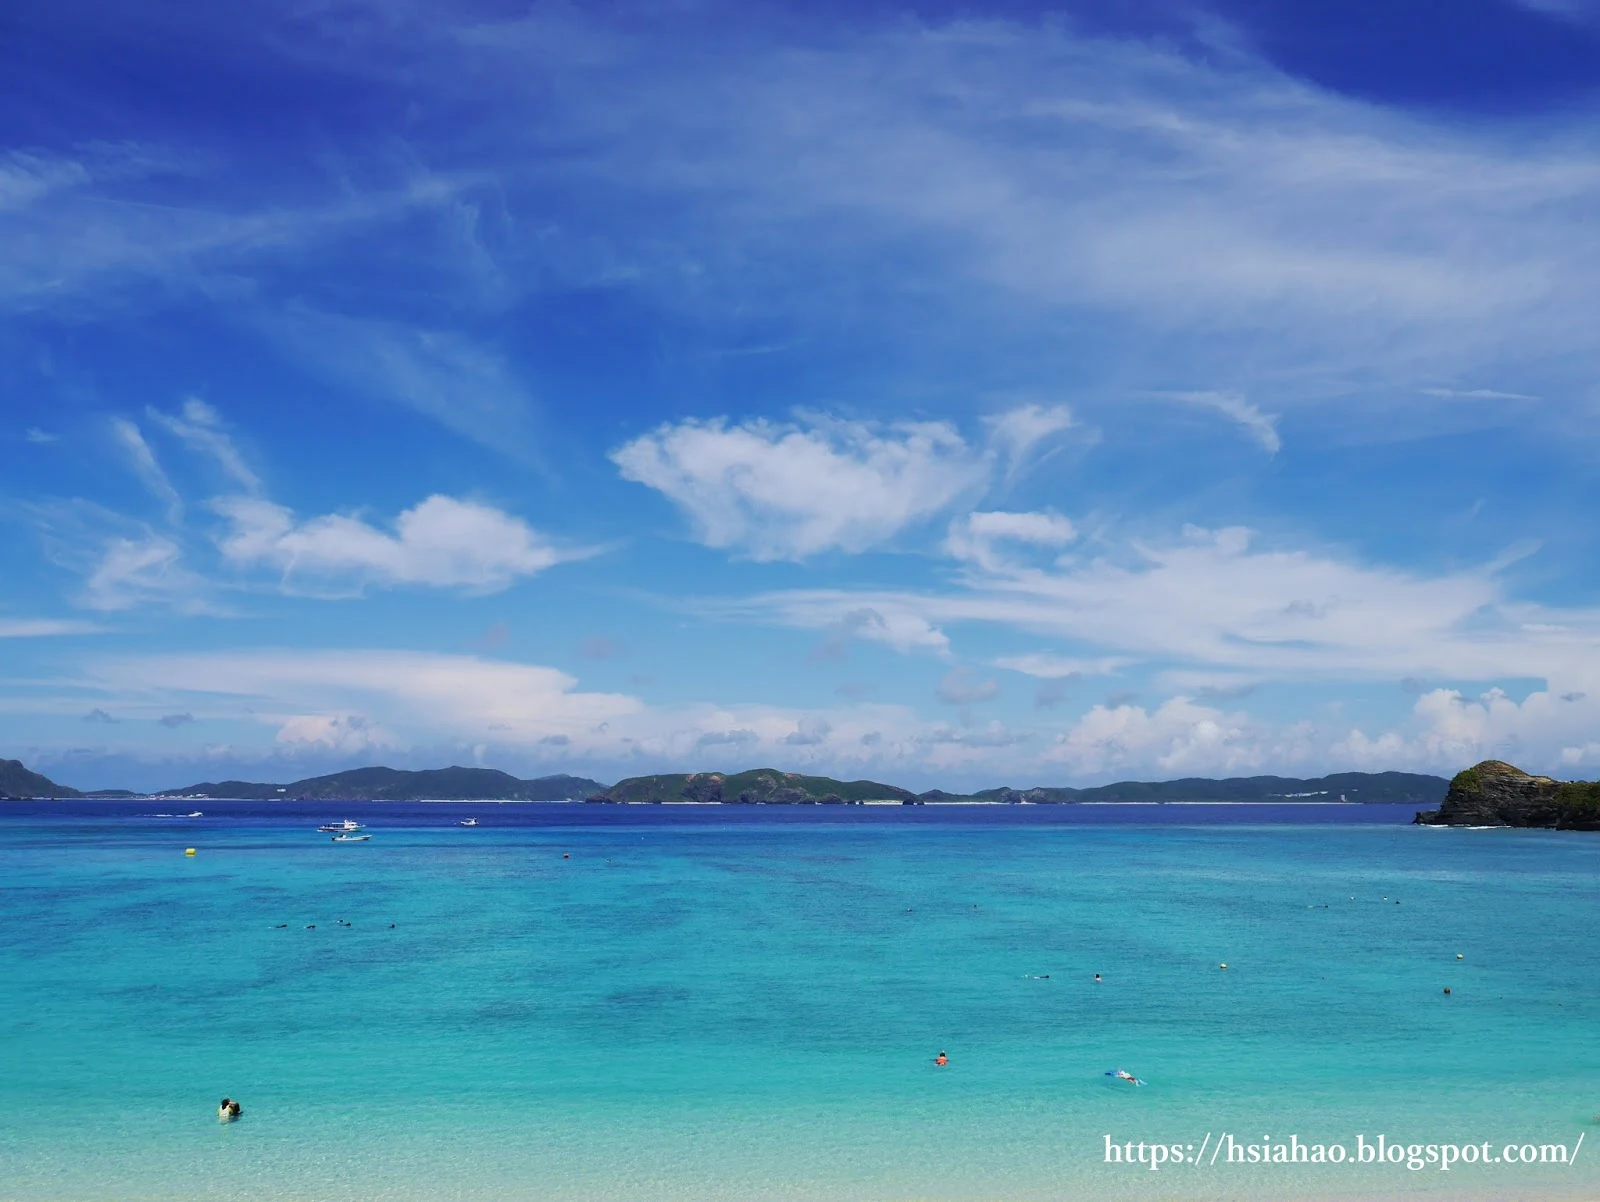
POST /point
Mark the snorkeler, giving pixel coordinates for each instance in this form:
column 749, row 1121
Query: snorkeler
column 941, row 1060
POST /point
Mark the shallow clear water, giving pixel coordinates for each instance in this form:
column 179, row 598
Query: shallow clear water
column 715, row 1003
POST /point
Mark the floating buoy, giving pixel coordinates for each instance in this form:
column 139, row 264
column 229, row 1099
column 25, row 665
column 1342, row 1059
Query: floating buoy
column 1447, row 989
column 565, row 856
column 1459, row 956
column 188, row 851
column 1223, row 966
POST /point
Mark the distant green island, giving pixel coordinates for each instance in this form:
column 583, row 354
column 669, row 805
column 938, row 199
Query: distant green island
column 359, row 784
column 764, row 786
column 758, row 786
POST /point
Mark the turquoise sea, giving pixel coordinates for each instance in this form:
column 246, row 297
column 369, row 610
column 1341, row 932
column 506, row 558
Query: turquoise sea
column 718, row 1002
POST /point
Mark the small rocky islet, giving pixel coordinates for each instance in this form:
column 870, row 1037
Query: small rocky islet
column 1495, row 793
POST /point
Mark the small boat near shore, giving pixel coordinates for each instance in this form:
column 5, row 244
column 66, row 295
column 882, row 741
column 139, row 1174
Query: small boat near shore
column 343, row 827
column 468, row 822
column 350, row 838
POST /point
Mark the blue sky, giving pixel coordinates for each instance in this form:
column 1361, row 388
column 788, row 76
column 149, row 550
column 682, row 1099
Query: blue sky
column 940, row 394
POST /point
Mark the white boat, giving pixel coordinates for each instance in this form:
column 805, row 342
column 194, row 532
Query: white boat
column 350, row 838
column 468, row 822
column 344, row 827
column 196, row 814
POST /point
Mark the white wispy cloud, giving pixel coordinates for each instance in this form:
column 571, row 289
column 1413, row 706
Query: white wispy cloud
column 143, row 461
column 463, row 383
column 130, row 572
column 1479, row 394
column 1021, row 433
column 1262, row 229
column 1213, row 600
column 1049, row 666
column 1579, row 11
column 83, row 229
column 40, row 437
column 201, row 430
column 442, row 541
column 28, row 178
column 1261, row 427
column 39, row 628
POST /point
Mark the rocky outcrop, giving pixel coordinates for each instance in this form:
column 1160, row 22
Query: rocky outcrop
column 1495, row 793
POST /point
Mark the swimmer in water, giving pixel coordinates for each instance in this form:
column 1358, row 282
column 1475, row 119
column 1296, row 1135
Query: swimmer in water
column 228, row 1110
column 941, row 1060
column 1097, row 980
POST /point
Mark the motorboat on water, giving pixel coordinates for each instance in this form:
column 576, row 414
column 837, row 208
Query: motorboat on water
column 350, row 838
column 344, row 827
column 196, row 814
column 468, row 822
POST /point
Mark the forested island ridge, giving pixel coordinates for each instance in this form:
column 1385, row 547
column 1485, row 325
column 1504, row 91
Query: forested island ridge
column 765, row 786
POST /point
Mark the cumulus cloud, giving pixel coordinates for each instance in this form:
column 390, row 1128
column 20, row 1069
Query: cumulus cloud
column 349, row 702
column 963, row 686
column 1177, row 738
column 777, row 491
column 357, row 702
column 774, row 490
column 173, row 721
column 443, row 542
column 346, row 734
column 98, row 715
column 809, row 732
column 975, row 537
column 895, row 627
column 728, row 738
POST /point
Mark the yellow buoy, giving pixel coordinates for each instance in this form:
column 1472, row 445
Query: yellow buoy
column 188, row 851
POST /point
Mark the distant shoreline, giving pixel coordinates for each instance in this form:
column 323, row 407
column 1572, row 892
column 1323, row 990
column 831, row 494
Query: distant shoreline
column 580, row 801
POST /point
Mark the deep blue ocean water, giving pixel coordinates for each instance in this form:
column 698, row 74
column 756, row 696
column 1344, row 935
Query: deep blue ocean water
column 721, row 1002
